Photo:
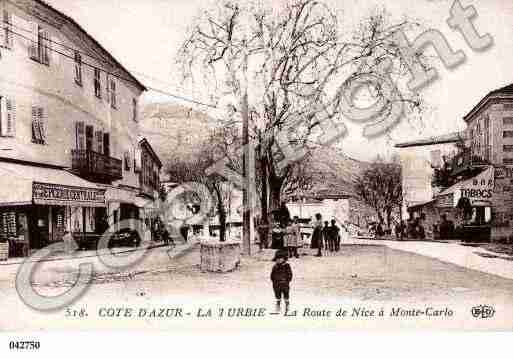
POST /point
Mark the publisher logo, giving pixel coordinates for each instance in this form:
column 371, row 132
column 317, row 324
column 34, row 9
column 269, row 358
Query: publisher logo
column 483, row 312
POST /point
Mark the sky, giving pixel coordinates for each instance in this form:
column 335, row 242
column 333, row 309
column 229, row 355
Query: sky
column 144, row 36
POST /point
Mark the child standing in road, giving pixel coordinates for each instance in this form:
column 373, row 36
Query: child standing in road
column 281, row 275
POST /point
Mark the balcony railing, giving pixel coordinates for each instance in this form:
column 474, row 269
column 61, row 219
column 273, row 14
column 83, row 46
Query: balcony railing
column 96, row 166
column 466, row 161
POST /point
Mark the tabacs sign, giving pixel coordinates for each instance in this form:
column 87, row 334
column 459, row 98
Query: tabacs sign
column 61, row 195
column 480, row 188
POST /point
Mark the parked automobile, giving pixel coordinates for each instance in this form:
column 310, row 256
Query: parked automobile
column 125, row 238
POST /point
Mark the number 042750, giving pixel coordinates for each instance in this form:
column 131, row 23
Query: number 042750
column 24, row 345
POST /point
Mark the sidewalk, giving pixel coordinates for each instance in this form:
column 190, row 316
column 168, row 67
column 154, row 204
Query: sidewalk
column 82, row 254
column 451, row 252
column 65, row 266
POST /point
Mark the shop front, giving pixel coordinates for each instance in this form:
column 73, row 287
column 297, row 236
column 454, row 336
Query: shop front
column 129, row 213
column 43, row 205
column 468, row 206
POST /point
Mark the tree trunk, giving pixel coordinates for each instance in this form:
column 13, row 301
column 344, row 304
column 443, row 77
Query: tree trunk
column 222, row 224
column 389, row 218
column 221, row 212
column 264, row 213
column 275, row 185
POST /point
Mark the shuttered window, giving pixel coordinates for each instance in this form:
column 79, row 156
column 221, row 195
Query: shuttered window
column 128, row 161
column 78, row 68
column 44, row 46
column 106, row 144
column 80, row 135
column 113, row 102
column 39, row 44
column 33, row 41
column 134, row 109
column 97, row 83
column 38, row 125
column 7, row 117
column 99, row 142
column 6, row 36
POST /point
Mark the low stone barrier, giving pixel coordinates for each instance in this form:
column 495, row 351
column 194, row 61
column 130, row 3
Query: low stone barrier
column 220, row 256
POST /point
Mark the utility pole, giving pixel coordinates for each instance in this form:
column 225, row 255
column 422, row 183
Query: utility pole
column 248, row 165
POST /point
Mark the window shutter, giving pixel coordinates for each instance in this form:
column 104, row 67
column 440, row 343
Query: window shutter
column 46, row 47
column 128, row 161
column 38, row 125
column 78, row 67
column 10, row 106
column 3, row 116
column 33, row 41
column 35, row 125
column 106, row 144
column 113, row 92
column 43, row 124
column 4, row 29
column 134, row 109
column 80, row 136
column 97, row 83
column 137, row 160
column 107, row 84
column 99, row 141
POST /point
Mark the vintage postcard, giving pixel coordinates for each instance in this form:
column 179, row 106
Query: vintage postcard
column 256, row 164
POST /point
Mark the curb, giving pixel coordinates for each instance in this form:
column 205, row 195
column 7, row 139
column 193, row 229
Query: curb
column 71, row 256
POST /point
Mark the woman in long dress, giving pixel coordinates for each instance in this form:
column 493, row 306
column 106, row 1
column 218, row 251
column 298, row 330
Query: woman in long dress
column 317, row 235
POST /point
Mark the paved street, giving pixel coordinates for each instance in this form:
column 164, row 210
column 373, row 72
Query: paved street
column 370, row 274
column 453, row 252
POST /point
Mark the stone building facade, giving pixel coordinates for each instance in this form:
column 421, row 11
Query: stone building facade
column 69, row 130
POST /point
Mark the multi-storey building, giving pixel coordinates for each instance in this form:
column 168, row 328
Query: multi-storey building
column 477, row 182
column 71, row 157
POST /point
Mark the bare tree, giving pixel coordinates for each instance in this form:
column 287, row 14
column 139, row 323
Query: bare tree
column 292, row 57
column 380, row 187
column 180, row 170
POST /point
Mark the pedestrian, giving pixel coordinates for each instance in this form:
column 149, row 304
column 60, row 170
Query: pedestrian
column 67, row 239
column 317, row 235
column 293, row 237
column 399, row 230
column 334, row 236
column 379, row 230
column 166, row 237
column 184, row 232
column 326, row 236
column 281, row 276
column 277, row 236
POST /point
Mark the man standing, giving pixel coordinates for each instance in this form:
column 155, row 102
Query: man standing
column 334, row 236
column 326, row 236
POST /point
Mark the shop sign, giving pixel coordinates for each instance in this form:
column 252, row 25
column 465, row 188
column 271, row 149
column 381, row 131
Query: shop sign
column 61, row 195
column 503, row 172
column 479, row 190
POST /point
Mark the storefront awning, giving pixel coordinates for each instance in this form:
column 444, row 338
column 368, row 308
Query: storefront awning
column 479, row 189
column 25, row 184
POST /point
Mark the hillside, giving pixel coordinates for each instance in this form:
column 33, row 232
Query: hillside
column 334, row 171
column 174, row 130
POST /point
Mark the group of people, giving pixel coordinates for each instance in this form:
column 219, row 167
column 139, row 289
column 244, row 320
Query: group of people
column 287, row 240
column 325, row 237
column 287, row 236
